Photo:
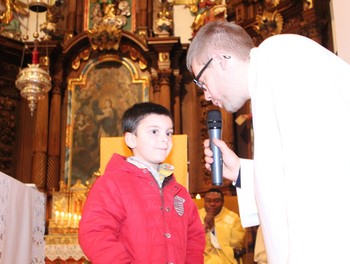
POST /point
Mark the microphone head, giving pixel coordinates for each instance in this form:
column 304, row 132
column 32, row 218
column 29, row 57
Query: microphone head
column 214, row 120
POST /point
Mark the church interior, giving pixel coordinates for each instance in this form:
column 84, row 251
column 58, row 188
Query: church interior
column 69, row 70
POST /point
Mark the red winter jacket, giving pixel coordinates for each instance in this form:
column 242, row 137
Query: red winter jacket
column 127, row 218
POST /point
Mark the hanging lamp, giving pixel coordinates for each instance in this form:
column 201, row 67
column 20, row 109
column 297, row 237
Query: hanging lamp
column 33, row 81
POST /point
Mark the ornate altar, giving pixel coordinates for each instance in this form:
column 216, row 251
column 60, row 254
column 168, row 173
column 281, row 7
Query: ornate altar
column 62, row 240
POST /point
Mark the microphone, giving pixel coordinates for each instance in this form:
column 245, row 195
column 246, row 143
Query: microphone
column 214, row 130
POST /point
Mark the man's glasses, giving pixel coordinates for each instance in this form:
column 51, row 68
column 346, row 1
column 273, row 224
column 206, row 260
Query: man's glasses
column 196, row 78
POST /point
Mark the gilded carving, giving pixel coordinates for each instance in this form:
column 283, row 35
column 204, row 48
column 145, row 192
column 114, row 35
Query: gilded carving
column 108, row 21
column 269, row 23
column 135, row 55
column 163, row 57
column 165, row 19
column 53, row 26
column 206, row 11
column 10, row 12
column 84, row 55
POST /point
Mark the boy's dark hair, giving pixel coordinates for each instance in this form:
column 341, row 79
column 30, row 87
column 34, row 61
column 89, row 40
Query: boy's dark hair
column 217, row 191
column 132, row 116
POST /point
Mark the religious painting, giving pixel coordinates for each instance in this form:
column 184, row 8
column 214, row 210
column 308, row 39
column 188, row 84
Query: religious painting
column 96, row 102
column 119, row 11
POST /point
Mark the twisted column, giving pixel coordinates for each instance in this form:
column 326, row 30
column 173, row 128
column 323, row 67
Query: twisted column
column 53, row 172
column 39, row 159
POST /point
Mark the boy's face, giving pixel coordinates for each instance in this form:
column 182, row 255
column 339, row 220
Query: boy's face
column 152, row 141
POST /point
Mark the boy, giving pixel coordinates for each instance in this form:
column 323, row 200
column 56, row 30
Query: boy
column 137, row 212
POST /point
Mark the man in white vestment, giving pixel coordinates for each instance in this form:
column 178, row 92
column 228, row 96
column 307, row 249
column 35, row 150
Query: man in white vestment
column 297, row 185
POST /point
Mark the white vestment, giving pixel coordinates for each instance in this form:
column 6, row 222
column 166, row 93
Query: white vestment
column 300, row 176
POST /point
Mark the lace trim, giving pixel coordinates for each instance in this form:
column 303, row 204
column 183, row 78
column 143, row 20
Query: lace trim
column 35, row 219
column 38, row 231
column 64, row 252
column 4, row 197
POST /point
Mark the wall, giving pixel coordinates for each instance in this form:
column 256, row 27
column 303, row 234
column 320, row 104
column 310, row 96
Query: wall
column 182, row 23
column 340, row 27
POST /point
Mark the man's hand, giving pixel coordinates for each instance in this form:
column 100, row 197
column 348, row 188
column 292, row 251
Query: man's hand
column 209, row 222
column 231, row 162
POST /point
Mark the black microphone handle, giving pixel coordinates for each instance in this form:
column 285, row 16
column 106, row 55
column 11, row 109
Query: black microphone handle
column 216, row 166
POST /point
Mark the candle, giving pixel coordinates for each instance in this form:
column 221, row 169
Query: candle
column 57, row 215
column 75, row 221
column 69, row 218
column 62, row 218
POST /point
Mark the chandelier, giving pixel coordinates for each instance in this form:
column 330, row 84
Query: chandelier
column 33, row 81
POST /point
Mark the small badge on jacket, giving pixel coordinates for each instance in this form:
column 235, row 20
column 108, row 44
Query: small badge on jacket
column 179, row 205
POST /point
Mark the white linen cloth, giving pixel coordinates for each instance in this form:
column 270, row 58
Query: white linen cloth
column 22, row 222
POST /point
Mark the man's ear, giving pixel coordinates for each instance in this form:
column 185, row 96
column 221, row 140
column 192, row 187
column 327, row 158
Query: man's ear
column 129, row 139
column 222, row 60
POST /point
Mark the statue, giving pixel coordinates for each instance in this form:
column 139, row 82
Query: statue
column 79, row 192
column 10, row 25
column 108, row 18
column 51, row 27
column 63, row 186
column 205, row 11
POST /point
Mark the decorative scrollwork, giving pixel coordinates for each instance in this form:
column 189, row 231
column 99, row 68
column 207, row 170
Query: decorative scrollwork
column 206, row 11
column 135, row 55
column 269, row 24
column 84, row 55
column 108, row 19
column 10, row 14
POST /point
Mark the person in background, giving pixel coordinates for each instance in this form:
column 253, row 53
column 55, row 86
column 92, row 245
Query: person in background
column 224, row 231
column 137, row 212
column 298, row 180
column 260, row 256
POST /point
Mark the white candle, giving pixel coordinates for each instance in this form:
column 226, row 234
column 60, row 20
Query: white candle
column 69, row 218
column 57, row 215
column 75, row 221
column 62, row 218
